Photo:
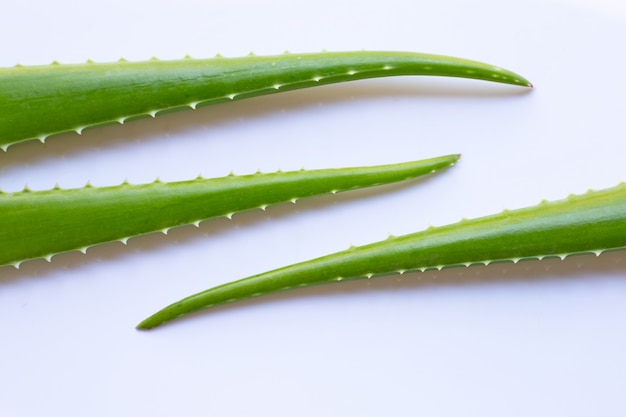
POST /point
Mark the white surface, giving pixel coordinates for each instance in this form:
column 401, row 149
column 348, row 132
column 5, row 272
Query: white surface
column 540, row 339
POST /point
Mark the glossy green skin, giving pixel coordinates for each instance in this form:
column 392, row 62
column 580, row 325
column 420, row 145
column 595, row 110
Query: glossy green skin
column 39, row 101
column 39, row 224
column 593, row 222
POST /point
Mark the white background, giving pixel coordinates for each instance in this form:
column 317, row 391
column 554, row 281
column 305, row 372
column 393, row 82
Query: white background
column 534, row 338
